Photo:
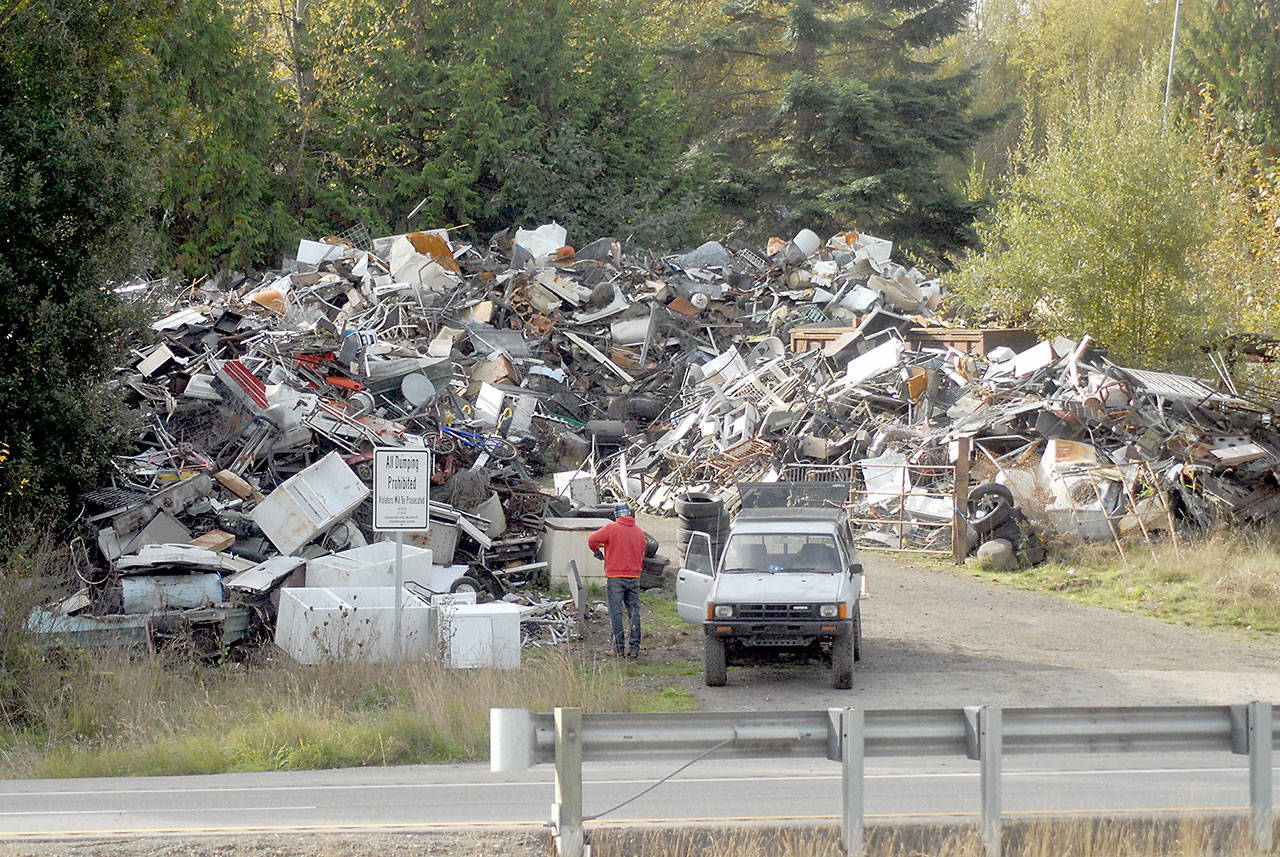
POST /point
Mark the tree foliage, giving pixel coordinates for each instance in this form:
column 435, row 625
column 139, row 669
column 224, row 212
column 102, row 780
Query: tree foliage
column 225, row 196
column 1100, row 231
column 493, row 113
column 831, row 117
column 1230, row 64
column 1041, row 56
column 74, row 158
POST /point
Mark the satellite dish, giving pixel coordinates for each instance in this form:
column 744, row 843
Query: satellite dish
column 417, row 389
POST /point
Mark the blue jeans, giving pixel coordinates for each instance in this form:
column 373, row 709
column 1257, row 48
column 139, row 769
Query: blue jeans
column 624, row 592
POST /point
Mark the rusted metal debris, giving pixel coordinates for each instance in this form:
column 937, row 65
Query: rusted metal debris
column 651, row 376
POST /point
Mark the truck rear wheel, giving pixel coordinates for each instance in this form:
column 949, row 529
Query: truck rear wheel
column 714, row 662
column 842, row 655
column 857, row 633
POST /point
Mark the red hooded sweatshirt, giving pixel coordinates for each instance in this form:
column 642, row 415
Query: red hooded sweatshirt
column 623, row 544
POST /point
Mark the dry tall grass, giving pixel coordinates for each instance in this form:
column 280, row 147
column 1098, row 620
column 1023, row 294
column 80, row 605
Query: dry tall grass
column 1230, row 578
column 1186, row 837
column 110, row 714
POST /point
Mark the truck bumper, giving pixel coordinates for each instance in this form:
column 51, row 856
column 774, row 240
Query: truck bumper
column 779, row 634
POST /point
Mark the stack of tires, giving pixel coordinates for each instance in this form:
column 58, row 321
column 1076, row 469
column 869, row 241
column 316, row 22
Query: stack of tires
column 653, row 571
column 700, row 512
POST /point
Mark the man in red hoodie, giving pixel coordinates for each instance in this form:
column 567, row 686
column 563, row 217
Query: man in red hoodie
column 623, row 545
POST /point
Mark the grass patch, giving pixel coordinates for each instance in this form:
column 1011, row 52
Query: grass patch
column 642, row 669
column 109, row 715
column 662, row 616
column 1225, row 580
column 665, row 700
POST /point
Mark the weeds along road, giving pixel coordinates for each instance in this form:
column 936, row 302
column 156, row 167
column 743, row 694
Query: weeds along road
column 934, row 638
column 938, row 638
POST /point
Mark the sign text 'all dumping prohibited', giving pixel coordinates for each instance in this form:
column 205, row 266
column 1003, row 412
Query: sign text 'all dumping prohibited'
column 401, row 488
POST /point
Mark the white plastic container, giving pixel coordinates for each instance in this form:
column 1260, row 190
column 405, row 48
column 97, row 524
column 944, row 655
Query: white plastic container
column 480, row 635
column 318, row 625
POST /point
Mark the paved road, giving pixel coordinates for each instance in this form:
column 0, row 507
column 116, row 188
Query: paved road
column 470, row 797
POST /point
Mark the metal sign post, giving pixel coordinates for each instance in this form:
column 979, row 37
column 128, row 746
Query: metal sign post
column 401, row 501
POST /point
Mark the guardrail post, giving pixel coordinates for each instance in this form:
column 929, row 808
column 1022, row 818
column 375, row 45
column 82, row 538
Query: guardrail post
column 852, row 751
column 566, row 812
column 990, row 744
column 1260, row 732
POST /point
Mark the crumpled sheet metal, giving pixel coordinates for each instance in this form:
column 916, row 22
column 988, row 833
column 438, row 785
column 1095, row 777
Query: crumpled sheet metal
column 657, row 374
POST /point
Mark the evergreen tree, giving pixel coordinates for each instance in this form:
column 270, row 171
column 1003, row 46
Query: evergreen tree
column 228, row 128
column 831, row 117
column 494, row 113
column 74, row 157
column 1231, row 61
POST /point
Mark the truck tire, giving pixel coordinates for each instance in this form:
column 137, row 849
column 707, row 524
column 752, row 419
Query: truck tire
column 842, row 657
column 713, row 660
column 857, row 633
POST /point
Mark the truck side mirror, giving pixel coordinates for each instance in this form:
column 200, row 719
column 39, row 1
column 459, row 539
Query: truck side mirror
column 855, row 568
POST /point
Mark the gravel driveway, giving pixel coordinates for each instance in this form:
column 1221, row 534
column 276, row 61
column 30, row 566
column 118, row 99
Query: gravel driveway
column 936, row 638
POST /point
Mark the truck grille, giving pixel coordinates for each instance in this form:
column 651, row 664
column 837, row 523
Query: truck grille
column 776, row 612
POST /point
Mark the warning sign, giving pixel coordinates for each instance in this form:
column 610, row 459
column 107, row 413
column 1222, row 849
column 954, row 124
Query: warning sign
column 401, row 489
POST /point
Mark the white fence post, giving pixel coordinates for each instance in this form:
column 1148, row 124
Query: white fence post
column 990, row 743
column 1261, row 813
column 852, row 722
column 566, row 812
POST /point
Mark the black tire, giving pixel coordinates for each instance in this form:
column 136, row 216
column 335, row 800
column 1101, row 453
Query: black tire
column 699, row 506
column 842, row 658
column 993, row 489
column 990, row 506
column 650, row 546
column 714, row 663
column 653, row 572
column 857, row 633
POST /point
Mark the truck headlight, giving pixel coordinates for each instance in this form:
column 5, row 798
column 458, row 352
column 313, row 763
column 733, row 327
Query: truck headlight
column 723, row 611
column 829, row 611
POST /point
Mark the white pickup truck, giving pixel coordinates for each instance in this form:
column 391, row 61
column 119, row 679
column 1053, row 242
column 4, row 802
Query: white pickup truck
column 786, row 587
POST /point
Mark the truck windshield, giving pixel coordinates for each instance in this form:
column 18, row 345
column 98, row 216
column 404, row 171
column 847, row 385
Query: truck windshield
column 781, row 552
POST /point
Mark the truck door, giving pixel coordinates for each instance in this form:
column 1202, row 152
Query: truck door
column 693, row 580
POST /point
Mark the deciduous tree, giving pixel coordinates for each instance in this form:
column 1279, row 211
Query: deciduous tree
column 1100, row 231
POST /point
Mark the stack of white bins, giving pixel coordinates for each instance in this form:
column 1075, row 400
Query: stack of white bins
column 472, row 635
column 375, row 565
column 350, row 624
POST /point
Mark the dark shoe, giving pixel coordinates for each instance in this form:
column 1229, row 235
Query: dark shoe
column 633, row 655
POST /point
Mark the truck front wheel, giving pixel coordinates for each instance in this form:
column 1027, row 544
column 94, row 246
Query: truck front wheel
column 714, row 662
column 842, row 655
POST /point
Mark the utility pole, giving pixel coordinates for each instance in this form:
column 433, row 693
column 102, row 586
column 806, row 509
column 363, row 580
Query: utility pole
column 1168, row 84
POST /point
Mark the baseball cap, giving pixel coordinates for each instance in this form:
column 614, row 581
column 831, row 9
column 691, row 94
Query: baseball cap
column 621, row 509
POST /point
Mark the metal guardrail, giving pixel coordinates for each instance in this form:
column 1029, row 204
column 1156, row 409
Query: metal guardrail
column 520, row 739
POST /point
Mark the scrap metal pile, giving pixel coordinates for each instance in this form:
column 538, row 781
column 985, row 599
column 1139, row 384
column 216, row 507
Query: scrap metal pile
column 265, row 397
